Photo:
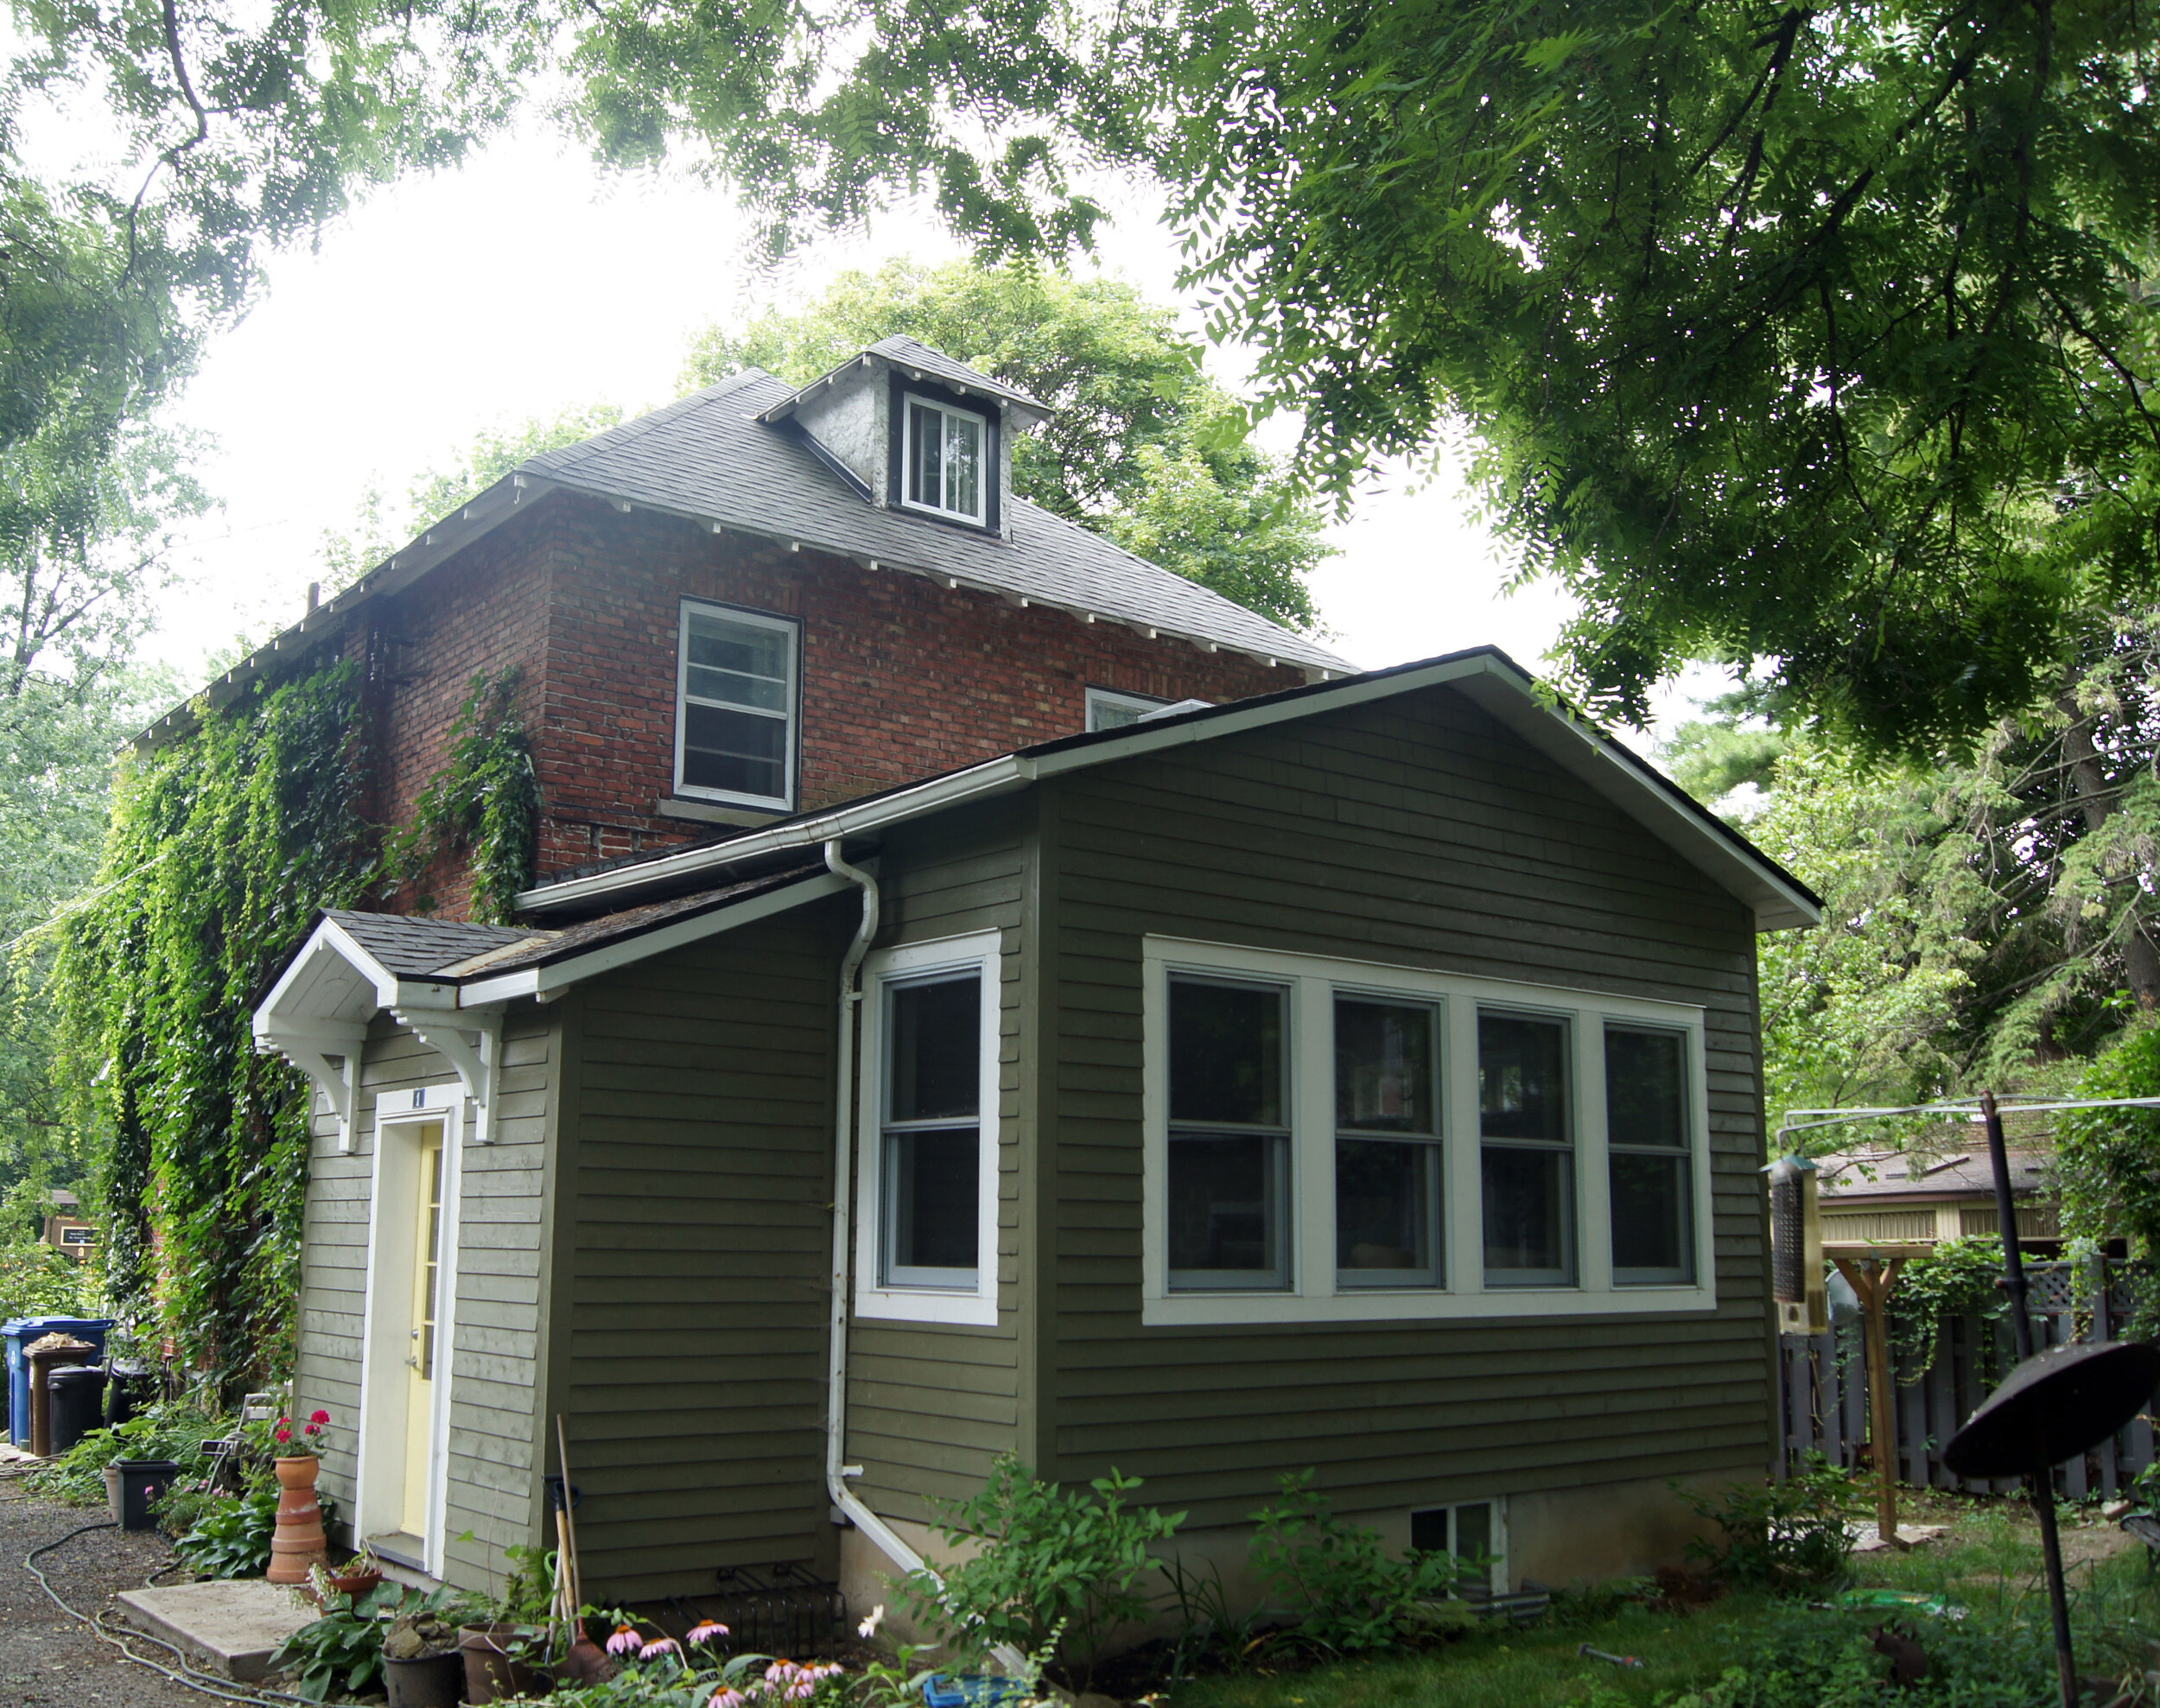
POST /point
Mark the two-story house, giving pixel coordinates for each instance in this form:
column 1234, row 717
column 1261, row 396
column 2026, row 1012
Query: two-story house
column 983, row 992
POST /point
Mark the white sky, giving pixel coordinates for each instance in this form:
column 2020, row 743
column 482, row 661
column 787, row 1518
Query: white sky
column 528, row 283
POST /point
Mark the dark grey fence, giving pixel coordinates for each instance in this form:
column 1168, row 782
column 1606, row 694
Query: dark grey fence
column 1823, row 1379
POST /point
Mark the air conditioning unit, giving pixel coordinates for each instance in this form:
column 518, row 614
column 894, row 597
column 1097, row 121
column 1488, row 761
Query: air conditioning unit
column 1797, row 1281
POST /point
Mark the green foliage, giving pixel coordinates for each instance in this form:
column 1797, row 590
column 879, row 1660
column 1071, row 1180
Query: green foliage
column 171, row 1430
column 485, row 801
column 1780, row 1535
column 343, row 1650
column 231, row 1539
column 1953, row 1279
column 1048, row 1561
column 2107, row 1165
column 1797, row 1657
column 1814, row 338
column 1348, row 1596
column 385, row 526
column 222, row 847
column 1142, row 447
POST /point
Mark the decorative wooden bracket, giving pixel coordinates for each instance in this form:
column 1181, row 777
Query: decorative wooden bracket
column 329, row 1054
column 471, row 1040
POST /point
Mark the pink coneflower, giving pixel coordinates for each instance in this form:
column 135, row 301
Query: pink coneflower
column 730, row 1698
column 627, row 1639
column 706, row 1631
column 653, row 1651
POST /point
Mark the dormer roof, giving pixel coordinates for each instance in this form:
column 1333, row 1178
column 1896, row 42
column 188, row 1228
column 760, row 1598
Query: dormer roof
column 919, row 361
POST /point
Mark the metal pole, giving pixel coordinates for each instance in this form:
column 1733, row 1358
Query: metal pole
column 2006, row 1221
column 2043, row 1473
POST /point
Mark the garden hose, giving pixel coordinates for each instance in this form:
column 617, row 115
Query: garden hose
column 228, row 1690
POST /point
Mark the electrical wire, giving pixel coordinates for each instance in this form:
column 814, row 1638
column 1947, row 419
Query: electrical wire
column 227, row 1690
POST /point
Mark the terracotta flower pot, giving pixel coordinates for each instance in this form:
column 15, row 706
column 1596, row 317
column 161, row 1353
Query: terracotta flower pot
column 298, row 1545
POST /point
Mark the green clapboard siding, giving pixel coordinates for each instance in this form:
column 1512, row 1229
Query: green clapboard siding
column 493, row 1492
column 1418, row 831
column 690, row 1270
column 930, row 1404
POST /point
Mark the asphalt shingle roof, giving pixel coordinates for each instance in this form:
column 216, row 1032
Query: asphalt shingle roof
column 412, row 948
column 706, row 456
column 909, row 353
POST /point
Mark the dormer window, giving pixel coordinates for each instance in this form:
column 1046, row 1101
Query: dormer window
column 943, row 458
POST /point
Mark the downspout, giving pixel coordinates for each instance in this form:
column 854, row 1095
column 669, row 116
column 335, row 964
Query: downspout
column 836, row 1473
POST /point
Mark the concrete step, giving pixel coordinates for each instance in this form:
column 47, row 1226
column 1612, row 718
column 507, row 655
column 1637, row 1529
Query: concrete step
column 231, row 1627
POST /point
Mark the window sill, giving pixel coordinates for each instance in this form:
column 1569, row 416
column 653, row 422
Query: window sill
column 1380, row 1305
column 714, row 812
column 911, row 1304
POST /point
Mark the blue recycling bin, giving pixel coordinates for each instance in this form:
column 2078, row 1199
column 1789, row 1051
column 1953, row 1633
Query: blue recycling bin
column 22, row 1332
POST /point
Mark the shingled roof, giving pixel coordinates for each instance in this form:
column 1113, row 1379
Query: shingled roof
column 410, row 947
column 707, row 457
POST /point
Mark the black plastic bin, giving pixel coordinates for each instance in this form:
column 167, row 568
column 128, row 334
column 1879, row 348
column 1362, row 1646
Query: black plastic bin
column 76, row 1398
column 128, row 1388
column 143, row 1481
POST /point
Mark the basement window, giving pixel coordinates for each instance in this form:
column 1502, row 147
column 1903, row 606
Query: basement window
column 1472, row 1530
column 735, row 707
column 927, row 1249
column 944, row 461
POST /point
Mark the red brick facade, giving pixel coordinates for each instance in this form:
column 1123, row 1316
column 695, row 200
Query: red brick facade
column 901, row 678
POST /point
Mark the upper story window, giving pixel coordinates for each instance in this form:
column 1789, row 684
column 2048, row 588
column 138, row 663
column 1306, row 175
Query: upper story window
column 735, row 707
column 1333, row 1140
column 1107, row 708
column 945, row 461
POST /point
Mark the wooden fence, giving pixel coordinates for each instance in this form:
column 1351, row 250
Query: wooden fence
column 1823, row 1379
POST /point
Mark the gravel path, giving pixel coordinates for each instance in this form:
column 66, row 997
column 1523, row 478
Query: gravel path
column 47, row 1660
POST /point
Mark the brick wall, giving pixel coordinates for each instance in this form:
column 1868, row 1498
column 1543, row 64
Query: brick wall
column 901, row 678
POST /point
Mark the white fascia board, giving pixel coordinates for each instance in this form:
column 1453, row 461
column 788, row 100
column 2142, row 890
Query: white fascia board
column 544, row 983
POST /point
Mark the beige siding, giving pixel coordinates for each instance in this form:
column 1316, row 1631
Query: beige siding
column 690, row 1292
column 930, row 1405
column 492, row 1488
column 1422, row 833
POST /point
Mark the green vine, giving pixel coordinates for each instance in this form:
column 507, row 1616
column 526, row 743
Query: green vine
column 1958, row 1277
column 487, row 800
column 221, row 849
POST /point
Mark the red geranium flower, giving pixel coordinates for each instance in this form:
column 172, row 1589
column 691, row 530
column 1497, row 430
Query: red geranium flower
column 319, row 1418
column 284, row 1435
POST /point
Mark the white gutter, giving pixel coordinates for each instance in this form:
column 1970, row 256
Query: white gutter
column 836, row 1473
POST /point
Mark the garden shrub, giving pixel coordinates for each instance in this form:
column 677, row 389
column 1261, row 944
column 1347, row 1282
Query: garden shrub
column 1049, row 1560
column 1781, row 1534
column 167, row 1430
column 343, row 1650
column 1799, row 1657
column 1348, row 1595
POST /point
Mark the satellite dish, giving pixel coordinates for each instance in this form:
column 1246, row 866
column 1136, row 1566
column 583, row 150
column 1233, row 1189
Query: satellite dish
column 2054, row 1406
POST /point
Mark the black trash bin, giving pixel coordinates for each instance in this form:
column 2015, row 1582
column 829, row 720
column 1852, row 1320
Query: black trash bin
column 141, row 1482
column 75, row 1396
column 128, row 1388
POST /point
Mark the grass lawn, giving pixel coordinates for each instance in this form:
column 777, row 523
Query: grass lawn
column 1990, row 1564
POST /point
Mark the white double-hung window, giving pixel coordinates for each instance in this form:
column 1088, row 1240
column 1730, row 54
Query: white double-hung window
column 1331, row 1139
column 944, row 461
column 736, row 700
column 926, row 1245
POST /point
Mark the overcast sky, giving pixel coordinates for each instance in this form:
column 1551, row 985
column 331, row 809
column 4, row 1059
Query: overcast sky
column 528, row 283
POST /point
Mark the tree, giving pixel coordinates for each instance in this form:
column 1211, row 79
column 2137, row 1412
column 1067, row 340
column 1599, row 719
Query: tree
column 384, row 525
column 1141, row 445
column 1815, row 339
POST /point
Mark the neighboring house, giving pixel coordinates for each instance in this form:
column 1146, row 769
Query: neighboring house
column 1359, row 1073
column 64, row 1228
column 1895, row 1197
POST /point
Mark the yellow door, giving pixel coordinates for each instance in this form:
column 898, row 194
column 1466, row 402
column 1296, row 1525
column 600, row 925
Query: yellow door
column 421, row 1359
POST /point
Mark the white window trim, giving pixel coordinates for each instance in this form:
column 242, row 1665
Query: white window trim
column 1313, row 1297
column 1498, row 1505
column 758, row 619
column 986, row 471
column 979, row 952
column 1142, row 703
column 382, row 1364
